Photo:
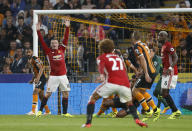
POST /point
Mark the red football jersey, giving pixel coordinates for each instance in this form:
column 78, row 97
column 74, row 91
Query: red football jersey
column 167, row 51
column 55, row 57
column 112, row 66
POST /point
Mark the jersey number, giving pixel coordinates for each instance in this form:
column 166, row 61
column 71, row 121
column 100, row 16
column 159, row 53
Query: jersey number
column 115, row 66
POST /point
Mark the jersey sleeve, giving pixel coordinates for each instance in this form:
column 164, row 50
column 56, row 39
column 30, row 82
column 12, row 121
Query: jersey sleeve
column 101, row 65
column 170, row 49
column 65, row 39
column 46, row 49
column 138, row 50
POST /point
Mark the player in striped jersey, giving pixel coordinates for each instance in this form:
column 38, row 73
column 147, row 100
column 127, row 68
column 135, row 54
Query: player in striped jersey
column 145, row 81
column 39, row 79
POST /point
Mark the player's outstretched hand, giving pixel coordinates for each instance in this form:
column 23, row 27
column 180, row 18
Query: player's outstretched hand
column 67, row 22
column 38, row 26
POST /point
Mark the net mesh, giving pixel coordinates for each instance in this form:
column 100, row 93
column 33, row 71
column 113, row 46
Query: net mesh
column 87, row 30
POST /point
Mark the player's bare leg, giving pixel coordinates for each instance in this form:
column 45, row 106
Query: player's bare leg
column 151, row 103
column 90, row 109
column 43, row 103
column 34, row 102
column 41, row 95
column 65, row 95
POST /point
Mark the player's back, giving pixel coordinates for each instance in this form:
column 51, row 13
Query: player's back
column 114, row 69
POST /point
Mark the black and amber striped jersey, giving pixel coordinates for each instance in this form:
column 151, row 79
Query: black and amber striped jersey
column 142, row 49
column 34, row 63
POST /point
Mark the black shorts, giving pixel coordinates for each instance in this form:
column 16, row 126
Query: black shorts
column 118, row 104
column 41, row 83
column 142, row 83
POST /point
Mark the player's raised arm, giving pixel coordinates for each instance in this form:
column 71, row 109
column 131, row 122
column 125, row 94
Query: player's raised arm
column 66, row 35
column 44, row 45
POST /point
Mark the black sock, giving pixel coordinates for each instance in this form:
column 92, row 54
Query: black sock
column 90, row 111
column 65, row 105
column 159, row 102
column 133, row 111
column 171, row 103
column 43, row 103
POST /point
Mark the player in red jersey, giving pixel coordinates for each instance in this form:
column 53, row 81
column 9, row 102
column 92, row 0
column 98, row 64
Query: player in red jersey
column 57, row 77
column 170, row 72
column 116, row 81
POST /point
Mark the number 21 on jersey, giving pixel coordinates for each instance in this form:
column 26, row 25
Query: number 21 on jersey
column 115, row 65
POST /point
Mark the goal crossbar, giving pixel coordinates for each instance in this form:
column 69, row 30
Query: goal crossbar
column 97, row 11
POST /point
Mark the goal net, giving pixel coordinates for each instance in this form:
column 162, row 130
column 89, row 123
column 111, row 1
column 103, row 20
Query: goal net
column 88, row 27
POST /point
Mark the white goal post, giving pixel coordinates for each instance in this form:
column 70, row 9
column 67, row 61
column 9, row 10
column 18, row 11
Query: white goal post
column 98, row 11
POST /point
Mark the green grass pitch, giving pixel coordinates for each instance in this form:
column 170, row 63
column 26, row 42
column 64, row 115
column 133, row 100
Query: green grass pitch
column 58, row 123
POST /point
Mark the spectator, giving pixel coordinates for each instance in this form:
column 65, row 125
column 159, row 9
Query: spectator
column 3, row 43
column 16, row 6
column 177, row 23
column 183, row 62
column 157, row 26
column 29, row 19
column 88, row 4
column 189, row 44
column 96, row 31
column 101, row 4
column 7, row 15
column 80, row 30
column 24, row 31
column 109, row 31
column 183, row 4
column 26, row 45
column 44, row 27
column 45, row 37
column 75, row 4
column 4, row 6
column 19, row 62
column 12, row 50
column 80, row 52
column 8, row 61
column 20, row 14
column 6, row 69
column 33, row 5
column 61, row 5
column 118, row 4
column 47, row 5
column 11, row 30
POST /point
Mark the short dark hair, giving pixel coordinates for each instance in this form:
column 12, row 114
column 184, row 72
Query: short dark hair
column 106, row 46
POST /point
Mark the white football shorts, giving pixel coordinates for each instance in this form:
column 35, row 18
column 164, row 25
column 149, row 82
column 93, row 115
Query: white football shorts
column 107, row 89
column 169, row 81
column 58, row 81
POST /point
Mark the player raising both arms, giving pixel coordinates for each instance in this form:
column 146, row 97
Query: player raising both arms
column 39, row 79
column 170, row 72
column 145, row 81
column 57, row 77
column 116, row 82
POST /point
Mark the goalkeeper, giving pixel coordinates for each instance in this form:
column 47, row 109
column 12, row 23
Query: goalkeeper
column 158, row 92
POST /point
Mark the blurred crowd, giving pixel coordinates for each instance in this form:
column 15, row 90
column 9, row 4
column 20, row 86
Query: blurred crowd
column 16, row 18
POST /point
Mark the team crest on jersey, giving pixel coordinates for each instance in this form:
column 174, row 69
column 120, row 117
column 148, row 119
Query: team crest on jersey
column 59, row 51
